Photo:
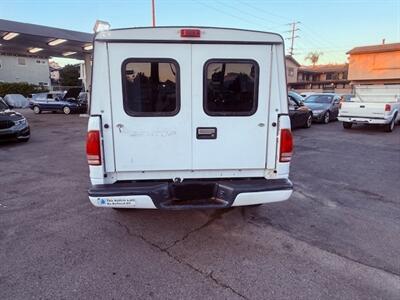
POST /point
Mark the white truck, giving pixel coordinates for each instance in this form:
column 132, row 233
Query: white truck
column 372, row 104
column 188, row 118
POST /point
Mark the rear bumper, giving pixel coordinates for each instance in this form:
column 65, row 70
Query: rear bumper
column 190, row 194
column 361, row 120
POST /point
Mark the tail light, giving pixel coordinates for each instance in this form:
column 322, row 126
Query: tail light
column 286, row 145
column 93, row 150
column 340, row 105
column 388, row 107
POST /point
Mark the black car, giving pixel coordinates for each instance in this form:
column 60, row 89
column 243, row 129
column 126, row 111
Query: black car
column 300, row 115
column 13, row 125
column 325, row 106
column 69, row 103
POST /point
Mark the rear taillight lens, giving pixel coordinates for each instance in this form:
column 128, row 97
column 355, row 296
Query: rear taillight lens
column 388, row 107
column 286, row 145
column 93, row 150
column 340, row 105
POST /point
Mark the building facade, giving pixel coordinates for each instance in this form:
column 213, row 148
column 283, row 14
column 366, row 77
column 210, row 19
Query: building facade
column 33, row 70
column 291, row 69
column 377, row 64
column 322, row 78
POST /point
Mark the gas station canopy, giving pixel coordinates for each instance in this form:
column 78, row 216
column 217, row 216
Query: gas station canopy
column 18, row 38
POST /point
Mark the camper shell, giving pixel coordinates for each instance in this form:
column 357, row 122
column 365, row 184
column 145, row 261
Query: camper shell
column 188, row 117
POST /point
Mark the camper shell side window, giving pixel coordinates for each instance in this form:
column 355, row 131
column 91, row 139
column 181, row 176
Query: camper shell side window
column 151, row 87
column 230, row 87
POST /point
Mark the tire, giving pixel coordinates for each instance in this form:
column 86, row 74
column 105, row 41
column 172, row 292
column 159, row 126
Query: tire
column 327, row 118
column 66, row 110
column 347, row 125
column 390, row 127
column 37, row 110
column 308, row 121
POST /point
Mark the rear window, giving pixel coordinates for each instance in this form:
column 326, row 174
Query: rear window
column 230, row 87
column 151, row 87
column 319, row 99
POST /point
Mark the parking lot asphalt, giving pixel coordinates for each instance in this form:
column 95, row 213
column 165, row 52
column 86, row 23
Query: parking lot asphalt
column 338, row 237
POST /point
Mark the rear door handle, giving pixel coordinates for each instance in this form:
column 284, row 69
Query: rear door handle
column 206, row 133
column 119, row 126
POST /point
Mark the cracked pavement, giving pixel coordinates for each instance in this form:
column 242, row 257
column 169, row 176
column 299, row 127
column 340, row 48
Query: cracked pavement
column 336, row 238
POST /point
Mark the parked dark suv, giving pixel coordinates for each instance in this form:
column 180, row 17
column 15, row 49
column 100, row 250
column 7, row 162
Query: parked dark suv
column 13, row 125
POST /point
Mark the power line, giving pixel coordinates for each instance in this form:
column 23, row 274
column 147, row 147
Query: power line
column 258, row 9
column 320, row 37
column 244, row 12
column 228, row 14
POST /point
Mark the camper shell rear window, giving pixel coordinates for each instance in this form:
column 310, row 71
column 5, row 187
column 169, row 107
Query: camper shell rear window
column 230, row 87
column 151, row 87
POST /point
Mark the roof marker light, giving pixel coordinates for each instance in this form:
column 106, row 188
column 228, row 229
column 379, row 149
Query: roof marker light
column 190, row 33
column 101, row 26
column 56, row 42
column 68, row 53
column 10, row 36
column 35, row 50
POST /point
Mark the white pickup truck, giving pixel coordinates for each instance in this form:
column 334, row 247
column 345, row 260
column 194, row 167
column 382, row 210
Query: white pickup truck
column 372, row 104
column 188, row 118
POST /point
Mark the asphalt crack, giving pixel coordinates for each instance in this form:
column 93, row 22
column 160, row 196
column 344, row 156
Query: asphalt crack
column 253, row 221
column 372, row 195
column 165, row 250
column 215, row 216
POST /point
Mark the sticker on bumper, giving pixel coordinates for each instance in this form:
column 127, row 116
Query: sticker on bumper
column 116, row 202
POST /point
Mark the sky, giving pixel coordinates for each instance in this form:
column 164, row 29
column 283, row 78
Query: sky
column 332, row 27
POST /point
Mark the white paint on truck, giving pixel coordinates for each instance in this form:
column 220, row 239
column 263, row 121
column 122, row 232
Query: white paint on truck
column 188, row 118
column 372, row 104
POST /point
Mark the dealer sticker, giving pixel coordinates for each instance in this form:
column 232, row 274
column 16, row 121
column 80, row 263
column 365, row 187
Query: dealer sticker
column 116, row 201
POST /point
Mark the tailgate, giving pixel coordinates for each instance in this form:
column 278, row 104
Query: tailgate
column 362, row 109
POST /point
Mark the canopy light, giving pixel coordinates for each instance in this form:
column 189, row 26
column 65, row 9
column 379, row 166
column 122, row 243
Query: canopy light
column 56, row 42
column 101, row 26
column 35, row 50
column 10, row 36
column 88, row 47
column 68, row 53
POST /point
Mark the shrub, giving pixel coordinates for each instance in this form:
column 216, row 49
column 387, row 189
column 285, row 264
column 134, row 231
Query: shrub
column 22, row 88
column 69, row 76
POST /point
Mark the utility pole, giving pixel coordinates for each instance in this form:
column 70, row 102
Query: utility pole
column 293, row 36
column 153, row 11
